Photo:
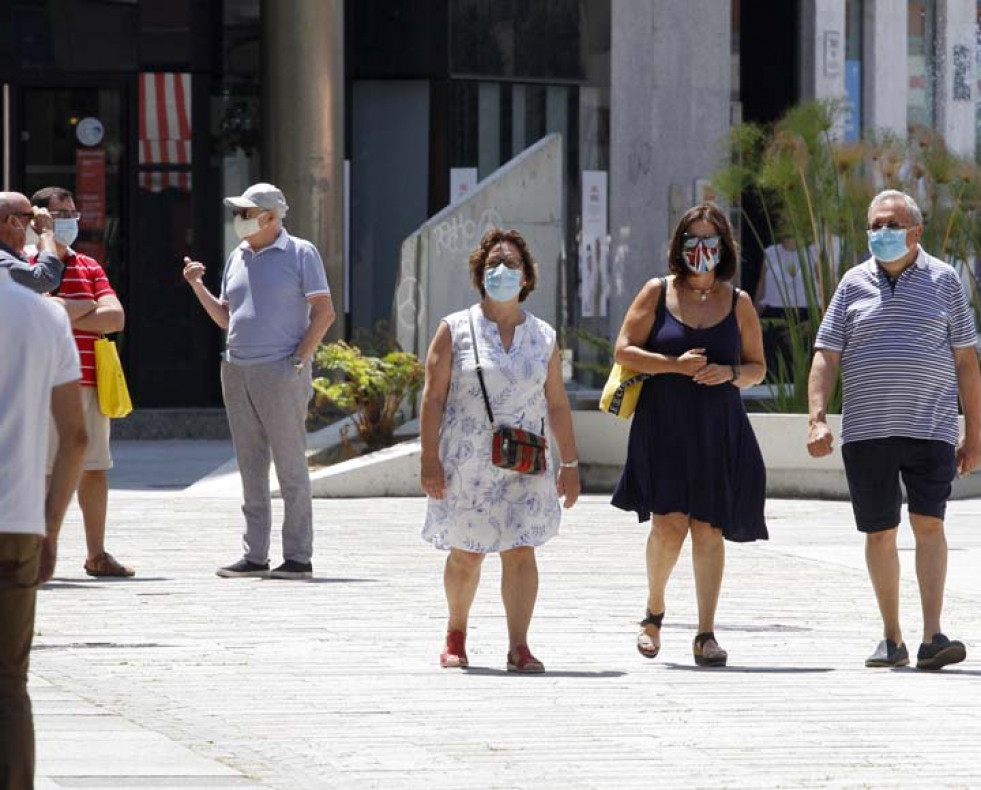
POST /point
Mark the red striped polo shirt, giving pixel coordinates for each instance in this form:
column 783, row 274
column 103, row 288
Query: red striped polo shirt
column 84, row 278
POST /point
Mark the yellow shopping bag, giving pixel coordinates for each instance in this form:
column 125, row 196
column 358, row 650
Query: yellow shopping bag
column 114, row 398
column 621, row 392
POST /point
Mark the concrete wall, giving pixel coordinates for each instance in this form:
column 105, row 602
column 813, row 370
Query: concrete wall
column 956, row 78
column 668, row 124
column 822, row 71
column 434, row 279
column 885, row 76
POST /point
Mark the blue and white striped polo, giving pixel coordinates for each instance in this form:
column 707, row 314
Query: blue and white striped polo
column 897, row 341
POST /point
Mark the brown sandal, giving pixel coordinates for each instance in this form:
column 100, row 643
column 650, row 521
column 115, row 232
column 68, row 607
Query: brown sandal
column 707, row 655
column 106, row 565
column 645, row 644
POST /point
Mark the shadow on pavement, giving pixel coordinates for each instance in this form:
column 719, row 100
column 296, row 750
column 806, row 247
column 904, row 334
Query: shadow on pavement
column 939, row 672
column 93, row 583
column 546, row 674
column 322, row 580
column 751, row 670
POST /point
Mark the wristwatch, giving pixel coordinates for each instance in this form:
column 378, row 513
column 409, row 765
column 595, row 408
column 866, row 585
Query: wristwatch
column 735, row 372
column 296, row 362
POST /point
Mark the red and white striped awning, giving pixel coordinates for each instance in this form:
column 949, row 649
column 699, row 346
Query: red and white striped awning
column 165, row 129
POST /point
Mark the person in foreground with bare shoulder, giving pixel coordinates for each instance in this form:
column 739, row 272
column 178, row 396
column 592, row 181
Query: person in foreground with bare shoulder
column 693, row 463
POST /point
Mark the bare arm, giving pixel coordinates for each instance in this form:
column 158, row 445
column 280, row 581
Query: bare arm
column 107, row 317
column 636, row 328
column 69, row 421
column 214, row 307
column 824, row 372
column 969, row 387
column 560, row 423
column 76, row 308
column 321, row 318
column 439, row 366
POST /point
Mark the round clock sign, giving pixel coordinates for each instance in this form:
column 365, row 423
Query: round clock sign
column 89, row 131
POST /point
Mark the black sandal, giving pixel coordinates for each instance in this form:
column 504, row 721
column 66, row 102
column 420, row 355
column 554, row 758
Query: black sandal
column 714, row 656
column 645, row 645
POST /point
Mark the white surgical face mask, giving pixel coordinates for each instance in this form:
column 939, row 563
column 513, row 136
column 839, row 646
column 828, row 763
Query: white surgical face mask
column 66, row 231
column 246, row 227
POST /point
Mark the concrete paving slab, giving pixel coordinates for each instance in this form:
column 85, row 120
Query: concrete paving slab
column 334, row 682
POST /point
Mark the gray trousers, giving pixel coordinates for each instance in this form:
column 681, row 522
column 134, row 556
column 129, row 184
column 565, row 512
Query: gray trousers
column 267, row 408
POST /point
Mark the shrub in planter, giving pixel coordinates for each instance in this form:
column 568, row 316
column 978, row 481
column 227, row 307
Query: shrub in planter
column 369, row 388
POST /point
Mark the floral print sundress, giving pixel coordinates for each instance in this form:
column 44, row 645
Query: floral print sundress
column 486, row 509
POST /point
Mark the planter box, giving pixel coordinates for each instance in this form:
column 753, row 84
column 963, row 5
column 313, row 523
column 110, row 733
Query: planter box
column 602, row 443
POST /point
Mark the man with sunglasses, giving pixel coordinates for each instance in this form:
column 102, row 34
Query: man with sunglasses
column 276, row 306
column 901, row 330
column 94, row 311
column 16, row 214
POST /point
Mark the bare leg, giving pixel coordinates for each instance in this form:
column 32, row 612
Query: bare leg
column 519, row 591
column 708, row 556
column 460, row 579
column 93, row 499
column 882, row 560
column 931, row 570
column 664, row 544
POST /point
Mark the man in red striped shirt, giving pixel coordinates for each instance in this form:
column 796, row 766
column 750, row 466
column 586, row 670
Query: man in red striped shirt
column 94, row 310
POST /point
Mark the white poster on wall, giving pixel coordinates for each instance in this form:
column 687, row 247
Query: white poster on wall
column 594, row 267
column 462, row 182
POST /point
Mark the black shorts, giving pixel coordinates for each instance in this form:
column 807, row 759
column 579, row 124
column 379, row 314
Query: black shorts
column 873, row 468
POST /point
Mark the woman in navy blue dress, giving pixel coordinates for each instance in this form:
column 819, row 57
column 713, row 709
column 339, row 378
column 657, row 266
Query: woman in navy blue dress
column 693, row 463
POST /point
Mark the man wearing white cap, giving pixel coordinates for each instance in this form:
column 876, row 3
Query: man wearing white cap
column 276, row 306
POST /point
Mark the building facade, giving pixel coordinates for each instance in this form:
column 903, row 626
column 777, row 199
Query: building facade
column 151, row 112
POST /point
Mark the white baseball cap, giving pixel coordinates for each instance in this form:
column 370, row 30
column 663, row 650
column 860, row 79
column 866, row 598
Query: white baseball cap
column 260, row 196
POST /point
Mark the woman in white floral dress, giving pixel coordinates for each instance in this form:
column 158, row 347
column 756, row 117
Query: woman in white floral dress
column 475, row 508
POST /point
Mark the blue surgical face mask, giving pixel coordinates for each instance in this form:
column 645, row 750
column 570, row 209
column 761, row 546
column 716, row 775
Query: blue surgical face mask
column 66, row 231
column 888, row 244
column 502, row 284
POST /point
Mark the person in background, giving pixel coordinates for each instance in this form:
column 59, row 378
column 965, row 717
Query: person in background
column 276, row 305
column 16, row 214
column 94, row 311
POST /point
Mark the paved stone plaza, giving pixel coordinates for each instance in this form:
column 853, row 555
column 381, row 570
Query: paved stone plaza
column 179, row 679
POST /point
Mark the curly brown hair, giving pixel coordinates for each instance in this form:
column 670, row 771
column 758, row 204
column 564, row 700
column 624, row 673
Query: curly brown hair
column 492, row 238
column 714, row 215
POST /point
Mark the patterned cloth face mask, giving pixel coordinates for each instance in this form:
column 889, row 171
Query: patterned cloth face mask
column 700, row 253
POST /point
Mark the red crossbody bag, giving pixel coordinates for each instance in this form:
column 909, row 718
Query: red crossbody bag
column 513, row 448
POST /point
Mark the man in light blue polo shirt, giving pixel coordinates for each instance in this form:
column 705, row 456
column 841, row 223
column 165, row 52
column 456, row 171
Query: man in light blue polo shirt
column 276, row 305
column 904, row 336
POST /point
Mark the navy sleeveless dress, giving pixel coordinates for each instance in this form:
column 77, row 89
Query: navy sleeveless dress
column 692, row 449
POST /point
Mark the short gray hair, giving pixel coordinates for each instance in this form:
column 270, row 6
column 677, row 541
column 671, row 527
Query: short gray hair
column 894, row 194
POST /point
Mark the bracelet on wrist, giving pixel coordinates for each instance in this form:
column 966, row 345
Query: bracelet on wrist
column 569, row 464
column 735, row 372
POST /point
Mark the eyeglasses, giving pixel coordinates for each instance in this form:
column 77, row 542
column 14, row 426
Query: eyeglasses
column 244, row 212
column 511, row 263
column 690, row 240
column 28, row 214
column 66, row 215
column 888, row 225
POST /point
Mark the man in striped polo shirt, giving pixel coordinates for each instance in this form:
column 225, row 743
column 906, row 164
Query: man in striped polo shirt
column 94, row 311
column 900, row 327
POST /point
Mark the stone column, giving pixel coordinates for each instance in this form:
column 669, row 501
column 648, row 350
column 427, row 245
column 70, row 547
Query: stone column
column 303, row 124
column 956, row 30
column 885, row 76
column 670, row 110
column 822, row 49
